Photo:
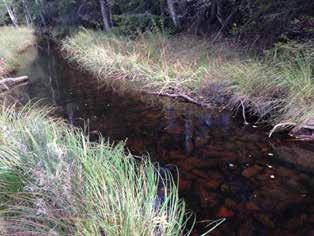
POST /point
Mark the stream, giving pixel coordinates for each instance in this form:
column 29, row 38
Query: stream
column 262, row 186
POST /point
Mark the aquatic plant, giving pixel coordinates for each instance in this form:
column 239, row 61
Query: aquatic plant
column 54, row 181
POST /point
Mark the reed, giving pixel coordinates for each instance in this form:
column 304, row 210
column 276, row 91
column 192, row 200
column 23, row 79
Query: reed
column 54, row 181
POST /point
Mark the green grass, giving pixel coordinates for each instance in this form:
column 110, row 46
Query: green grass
column 54, row 181
column 298, row 80
column 278, row 88
column 151, row 59
column 12, row 42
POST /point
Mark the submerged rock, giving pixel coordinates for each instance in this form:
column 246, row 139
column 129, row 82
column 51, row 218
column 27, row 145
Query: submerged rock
column 264, row 220
column 252, row 206
column 230, row 204
column 225, row 212
column 251, row 171
column 213, row 183
column 246, row 229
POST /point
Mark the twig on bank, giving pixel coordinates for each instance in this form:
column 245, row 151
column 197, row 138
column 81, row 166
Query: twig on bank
column 287, row 124
column 8, row 83
column 243, row 113
column 180, row 95
column 225, row 23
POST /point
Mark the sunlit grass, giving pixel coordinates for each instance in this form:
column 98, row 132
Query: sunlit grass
column 152, row 58
column 54, row 181
column 298, row 79
column 280, row 90
column 12, row 41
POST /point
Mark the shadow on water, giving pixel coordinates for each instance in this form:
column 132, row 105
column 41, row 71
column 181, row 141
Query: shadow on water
column 226, row 169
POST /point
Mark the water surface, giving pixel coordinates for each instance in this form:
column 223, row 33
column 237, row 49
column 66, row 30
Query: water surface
column 227, row 169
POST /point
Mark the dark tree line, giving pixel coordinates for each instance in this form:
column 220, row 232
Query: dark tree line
column 264, row 18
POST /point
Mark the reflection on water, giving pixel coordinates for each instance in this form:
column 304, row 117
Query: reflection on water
column 226, row 169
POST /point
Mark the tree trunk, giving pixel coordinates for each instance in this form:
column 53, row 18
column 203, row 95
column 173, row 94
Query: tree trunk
column 106, row 15
column 41, row 10
column 173, row 13
column 27, row 13
column 11, row 13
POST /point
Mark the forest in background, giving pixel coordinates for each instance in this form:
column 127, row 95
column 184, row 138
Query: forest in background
column 257, row 22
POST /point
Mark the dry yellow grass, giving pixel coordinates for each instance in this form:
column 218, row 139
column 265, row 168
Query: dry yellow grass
column 12, row 42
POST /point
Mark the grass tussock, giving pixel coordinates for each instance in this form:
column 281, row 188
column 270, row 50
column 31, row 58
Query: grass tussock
column 278, row 88
column 12, row 42
column 54, row 181
column 154, row 59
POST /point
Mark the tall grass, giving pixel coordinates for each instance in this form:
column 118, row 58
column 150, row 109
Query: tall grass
column 298, row 79
column 153, row 59
column 12, row 42
column 277, row 89
column 54, row 181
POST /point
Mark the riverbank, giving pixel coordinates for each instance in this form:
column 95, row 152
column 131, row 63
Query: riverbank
column 53, row 180
column 212, row 150
column 13, row 41
column 279, row 88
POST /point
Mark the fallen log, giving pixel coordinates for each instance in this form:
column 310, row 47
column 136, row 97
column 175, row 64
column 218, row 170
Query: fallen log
column 9, row 83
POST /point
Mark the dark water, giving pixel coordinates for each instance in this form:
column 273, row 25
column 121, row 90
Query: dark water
column 262, row 186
